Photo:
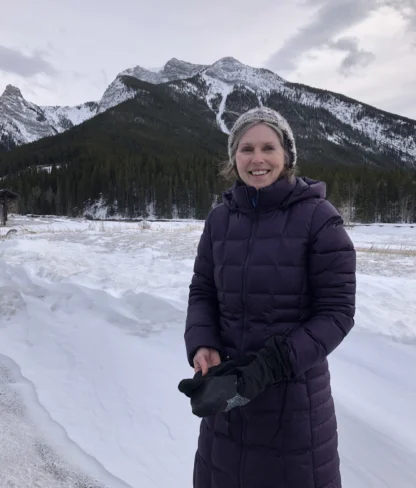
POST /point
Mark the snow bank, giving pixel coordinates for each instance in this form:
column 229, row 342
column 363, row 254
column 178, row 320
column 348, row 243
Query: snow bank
column 93, row 315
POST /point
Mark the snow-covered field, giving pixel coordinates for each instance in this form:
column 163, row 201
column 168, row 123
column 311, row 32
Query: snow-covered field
column 91, row 352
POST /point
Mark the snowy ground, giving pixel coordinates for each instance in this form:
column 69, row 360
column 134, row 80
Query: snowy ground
column 91, row 352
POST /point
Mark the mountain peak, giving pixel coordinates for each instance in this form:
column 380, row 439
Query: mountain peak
column 228, row 60
column 175, row 61
column 143, row 74
column 12, row 91
column 176, row 69
column 231, row 71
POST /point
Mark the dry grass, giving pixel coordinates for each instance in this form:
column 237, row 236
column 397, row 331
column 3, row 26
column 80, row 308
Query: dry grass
column 397, row 251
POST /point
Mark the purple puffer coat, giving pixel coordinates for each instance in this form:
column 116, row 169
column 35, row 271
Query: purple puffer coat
column 273, row 261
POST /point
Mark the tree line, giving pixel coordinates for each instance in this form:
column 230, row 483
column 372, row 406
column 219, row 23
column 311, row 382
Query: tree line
column 168, row 187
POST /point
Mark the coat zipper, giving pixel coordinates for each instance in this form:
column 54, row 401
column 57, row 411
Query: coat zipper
column 243, row 421
column 253, row 232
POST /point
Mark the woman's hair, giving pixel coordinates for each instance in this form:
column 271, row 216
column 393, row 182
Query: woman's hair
column 229, row 167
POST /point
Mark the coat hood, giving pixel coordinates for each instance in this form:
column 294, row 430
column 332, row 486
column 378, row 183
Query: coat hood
column 280, row 194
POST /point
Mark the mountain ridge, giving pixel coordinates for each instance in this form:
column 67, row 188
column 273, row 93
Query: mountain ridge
column 227, row 87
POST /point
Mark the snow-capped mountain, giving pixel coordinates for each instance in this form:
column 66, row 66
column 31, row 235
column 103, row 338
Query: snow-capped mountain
column 22, row 122
column 220, row 78
column 227, row 87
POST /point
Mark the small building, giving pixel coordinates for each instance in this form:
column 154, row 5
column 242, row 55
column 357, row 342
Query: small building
column 8, row 199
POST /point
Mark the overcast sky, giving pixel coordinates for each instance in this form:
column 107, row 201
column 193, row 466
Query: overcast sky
column 63, row 53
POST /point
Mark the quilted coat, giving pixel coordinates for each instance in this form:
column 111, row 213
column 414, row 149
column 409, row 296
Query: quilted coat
column 273, row 261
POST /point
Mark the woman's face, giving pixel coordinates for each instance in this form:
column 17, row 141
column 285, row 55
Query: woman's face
column 260, row 157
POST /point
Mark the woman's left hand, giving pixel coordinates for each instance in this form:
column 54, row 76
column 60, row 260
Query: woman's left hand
column 206, row 358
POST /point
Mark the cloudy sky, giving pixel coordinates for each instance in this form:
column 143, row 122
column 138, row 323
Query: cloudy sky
column 63, row 53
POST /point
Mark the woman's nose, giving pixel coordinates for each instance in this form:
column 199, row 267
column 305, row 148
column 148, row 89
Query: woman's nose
column 257, row 156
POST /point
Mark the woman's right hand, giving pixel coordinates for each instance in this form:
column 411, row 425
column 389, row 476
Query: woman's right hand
column 206, row 358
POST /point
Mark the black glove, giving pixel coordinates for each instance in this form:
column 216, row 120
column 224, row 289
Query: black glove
column 189, row 386
column 215, row 392
column 270, row 365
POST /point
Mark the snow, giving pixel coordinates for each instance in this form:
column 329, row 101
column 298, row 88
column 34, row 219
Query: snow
column 185, row 86
column 232, row 71
column 23, row 437
column 59, row 116
column 380, row 237
column 176, row 69
column 115, row 94
column 98, row 209
column 375, row 393
column 144, row 75
column 221, row 109
column 215, row 88
column 91, row 352
column 48, row 168
column 335, row 139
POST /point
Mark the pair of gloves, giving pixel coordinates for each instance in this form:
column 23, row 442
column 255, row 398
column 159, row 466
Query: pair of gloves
column 235, row 383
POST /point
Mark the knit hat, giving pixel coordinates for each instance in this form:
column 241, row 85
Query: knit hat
column 265, row 114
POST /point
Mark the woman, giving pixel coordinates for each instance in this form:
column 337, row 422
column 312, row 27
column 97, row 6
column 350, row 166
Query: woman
column 272, row 295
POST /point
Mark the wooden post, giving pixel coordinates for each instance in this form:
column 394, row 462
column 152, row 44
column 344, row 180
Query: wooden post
column 6, row 198
column 6, row 203
column 2, row 221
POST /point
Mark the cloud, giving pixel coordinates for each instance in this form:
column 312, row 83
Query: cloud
column 407, row 9
column 78, row 75
column 14, row 61
column 330, row 19
column 355, row 58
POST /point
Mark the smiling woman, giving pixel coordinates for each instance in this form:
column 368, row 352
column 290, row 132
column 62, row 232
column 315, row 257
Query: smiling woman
column 272, row 295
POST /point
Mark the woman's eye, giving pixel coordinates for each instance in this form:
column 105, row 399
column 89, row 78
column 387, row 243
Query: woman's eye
column 269, row 148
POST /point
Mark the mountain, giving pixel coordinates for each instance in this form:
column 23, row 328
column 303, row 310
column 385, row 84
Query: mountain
column 152, row 144
column 218, row 80
column 22, row 122
column 228, row 87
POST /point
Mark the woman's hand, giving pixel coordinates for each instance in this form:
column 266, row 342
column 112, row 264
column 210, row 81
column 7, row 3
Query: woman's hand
column 206, row 358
